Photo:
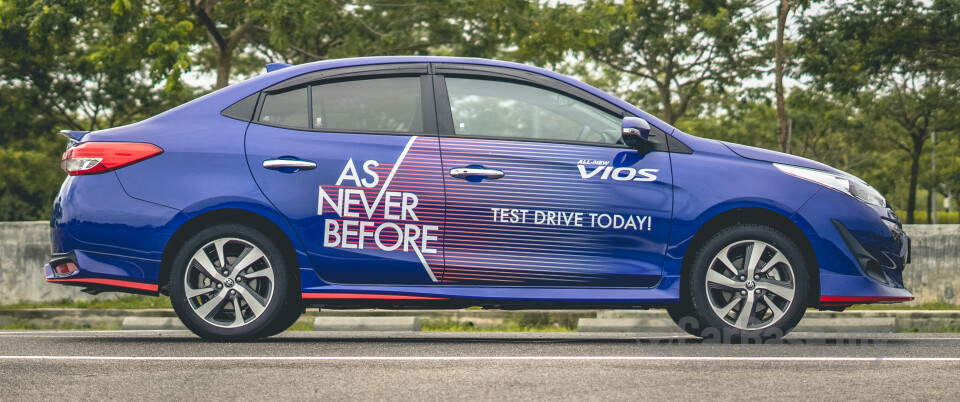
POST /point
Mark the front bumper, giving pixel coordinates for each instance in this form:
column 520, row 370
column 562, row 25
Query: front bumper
column 861, row 250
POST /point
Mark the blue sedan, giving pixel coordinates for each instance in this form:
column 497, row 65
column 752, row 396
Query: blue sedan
column 435, row 182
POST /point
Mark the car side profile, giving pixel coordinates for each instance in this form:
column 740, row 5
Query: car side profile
column 437, row 182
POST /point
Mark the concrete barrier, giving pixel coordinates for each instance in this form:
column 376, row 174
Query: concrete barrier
column 933, row 276
column 366, row 324
column 24, row 250
column 152, row 323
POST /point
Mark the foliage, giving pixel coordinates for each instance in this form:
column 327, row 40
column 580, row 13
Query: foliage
column 877, row 76
column 298, row 31
column 889, row 49
column 678, row 51
column 27, row 190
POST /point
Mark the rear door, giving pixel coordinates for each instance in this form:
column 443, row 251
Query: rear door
column 540, row 190
column 351, row 159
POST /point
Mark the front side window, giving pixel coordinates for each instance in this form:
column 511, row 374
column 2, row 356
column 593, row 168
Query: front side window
column 374, row 105
column 491, row 108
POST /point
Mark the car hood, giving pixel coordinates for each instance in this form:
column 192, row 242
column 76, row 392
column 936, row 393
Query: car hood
column 766, row 155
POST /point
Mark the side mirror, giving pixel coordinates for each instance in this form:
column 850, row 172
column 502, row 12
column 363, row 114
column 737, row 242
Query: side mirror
column 636, row 132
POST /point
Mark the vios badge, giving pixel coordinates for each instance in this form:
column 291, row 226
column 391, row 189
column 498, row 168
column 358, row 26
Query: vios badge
column 618, row 173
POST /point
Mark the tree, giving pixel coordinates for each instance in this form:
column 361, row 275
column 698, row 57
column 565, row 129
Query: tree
column 75, row 65
column 885, row 46
column 84, row 61
column 682, row 49
column 782, row 128
column 301, row 31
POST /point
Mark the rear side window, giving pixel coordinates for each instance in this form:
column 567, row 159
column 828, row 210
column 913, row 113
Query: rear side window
column 287, row 109
column 373, row 105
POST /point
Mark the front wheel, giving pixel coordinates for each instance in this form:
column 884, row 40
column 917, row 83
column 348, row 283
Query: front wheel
column 747, row 281
column 230, row 283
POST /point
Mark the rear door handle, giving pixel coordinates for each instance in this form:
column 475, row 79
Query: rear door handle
column 289, row 165
column 468, row 172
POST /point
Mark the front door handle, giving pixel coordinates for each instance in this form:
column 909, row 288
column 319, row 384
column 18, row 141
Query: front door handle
column 289, row 165
column 478, row 172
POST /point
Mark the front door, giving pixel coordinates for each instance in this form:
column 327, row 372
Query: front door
column 353, row 164
column 540, row 190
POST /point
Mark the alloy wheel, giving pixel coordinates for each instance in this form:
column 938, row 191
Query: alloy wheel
column 750, row 284
column 229, row 282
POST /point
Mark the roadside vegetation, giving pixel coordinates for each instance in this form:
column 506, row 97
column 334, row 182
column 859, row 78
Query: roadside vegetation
column 448, row 325
column 901, row 306
column 870, row 86
column 121, row 302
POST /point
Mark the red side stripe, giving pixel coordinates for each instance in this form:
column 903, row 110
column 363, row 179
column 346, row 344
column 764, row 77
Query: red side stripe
column 110, row 282
column 863, row 299
column 366, row 296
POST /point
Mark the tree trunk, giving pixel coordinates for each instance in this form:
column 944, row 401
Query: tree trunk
column 781, row 104
column 224, row 61
column 914, row 174
column 664, row 90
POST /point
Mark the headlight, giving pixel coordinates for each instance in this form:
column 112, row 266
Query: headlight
column 849, row 185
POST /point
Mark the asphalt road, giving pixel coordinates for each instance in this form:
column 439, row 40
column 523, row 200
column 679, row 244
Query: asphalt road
column 141, row 365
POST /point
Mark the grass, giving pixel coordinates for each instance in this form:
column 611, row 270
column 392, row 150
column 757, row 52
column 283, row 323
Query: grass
column 448, row 325
column 301, row 326
column 921, row 217
column 924, row 306
column 122, row 302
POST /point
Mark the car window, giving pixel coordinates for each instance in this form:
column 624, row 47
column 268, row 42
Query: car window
column 286, row 109
column 382, row 104
column 504, row 109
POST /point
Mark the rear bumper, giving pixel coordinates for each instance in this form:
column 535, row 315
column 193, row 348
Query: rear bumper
column 115, row 241
column 98, row 273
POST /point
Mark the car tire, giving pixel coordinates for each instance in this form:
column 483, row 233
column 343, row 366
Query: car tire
column 288, row 317
column 231, row 268
column 744, row 265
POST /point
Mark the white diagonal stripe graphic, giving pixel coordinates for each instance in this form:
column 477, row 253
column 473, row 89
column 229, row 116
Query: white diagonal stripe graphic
column 386, row 183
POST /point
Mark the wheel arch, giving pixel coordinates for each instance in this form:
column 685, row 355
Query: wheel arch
column 759, row 216
column 227, row 215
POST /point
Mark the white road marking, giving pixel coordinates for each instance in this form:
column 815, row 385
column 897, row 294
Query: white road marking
column 492, row 358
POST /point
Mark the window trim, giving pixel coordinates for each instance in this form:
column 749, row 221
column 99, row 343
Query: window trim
column 445, row 113
column 350, row 73
column 661, row 141
column 527, row 78
column 428, row 107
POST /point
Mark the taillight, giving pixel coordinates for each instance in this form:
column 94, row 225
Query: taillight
column 101, row 157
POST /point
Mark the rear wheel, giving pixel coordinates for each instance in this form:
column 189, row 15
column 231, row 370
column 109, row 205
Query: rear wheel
column 231, row 283
column 747, row 281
